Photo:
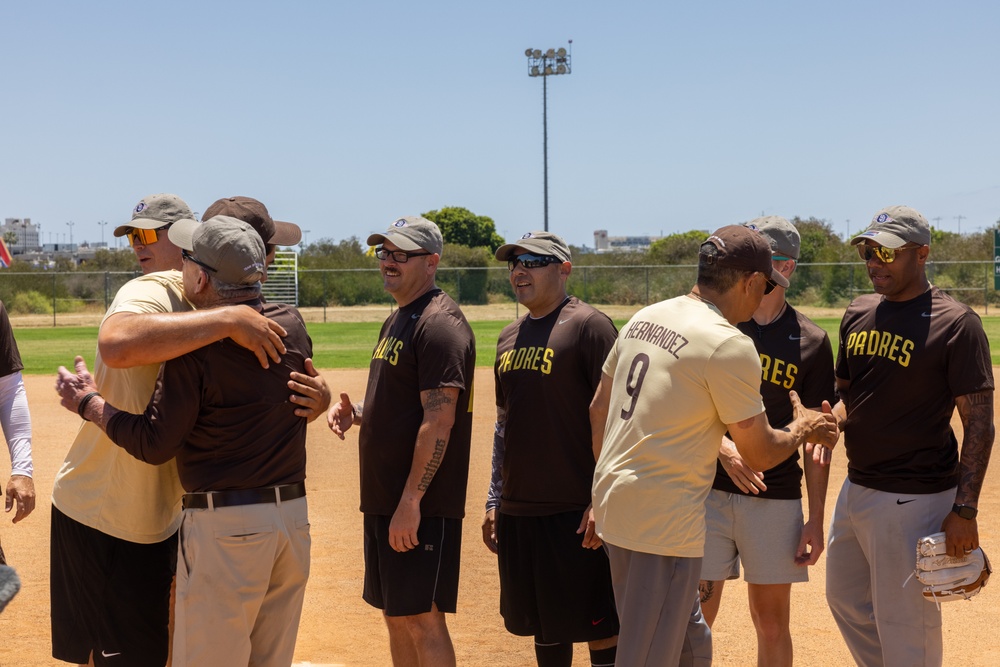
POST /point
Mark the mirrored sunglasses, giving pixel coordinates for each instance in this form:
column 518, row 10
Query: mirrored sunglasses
column 885, row 255
column 144, row 236
column 530, row 261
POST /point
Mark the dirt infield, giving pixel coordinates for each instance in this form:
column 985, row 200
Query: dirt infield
column 339, row 628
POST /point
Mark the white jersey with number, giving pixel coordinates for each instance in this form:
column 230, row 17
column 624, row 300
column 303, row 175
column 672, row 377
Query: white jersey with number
column 680, row 373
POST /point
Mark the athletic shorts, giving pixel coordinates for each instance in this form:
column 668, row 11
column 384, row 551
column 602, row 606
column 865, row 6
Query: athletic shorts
column 407, row 583
column 109, row 596
column 762, row 533
column 550, row 586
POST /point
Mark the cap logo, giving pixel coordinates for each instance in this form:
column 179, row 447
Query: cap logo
column 399, row 223
column 140, row 207
column 721, row 242
column 869, row 234
column 752, row 226
column 527, row 236
column 883, row 217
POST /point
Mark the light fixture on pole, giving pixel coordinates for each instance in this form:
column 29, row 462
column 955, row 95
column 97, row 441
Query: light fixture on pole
column 103, row 224
column 548, row 63
column 70, row 225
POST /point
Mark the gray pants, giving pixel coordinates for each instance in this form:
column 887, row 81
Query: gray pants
column 871, row 553
column 659, row 610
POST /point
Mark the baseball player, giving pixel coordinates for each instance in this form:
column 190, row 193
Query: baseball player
column 909, row 355
column 680, row 375
column 416, row 430
column 756, row 518
column 555, row 582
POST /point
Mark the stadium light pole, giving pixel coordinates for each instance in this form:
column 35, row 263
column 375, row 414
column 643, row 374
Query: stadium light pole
column 103, row 224
column 551, row 62
column 70, row 225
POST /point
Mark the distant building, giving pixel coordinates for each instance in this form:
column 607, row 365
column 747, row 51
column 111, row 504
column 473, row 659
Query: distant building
column 604, row 243
column 25, row 235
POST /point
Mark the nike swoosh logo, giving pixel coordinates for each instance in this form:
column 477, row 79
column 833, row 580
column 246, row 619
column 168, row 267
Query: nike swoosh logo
column 791, row 337
column 903, row 502
column 927, row 314
column 597, row 622
column 564, row 322
column 414, row 316
column 105, row 654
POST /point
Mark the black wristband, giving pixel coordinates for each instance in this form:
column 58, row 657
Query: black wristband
column 83, row 403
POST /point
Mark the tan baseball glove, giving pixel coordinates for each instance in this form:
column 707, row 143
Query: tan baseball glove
column 946, row 578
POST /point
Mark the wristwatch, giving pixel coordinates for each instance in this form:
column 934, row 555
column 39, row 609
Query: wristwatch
column 965, row 511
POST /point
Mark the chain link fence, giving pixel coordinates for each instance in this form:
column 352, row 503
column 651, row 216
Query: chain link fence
column 64, row 298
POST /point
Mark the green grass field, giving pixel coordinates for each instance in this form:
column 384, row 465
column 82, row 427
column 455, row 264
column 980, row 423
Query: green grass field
column 335, row 344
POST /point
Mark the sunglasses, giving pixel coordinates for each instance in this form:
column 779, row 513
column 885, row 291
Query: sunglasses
column 769, row 285
column 530, row 261
column 398, row 256
column 144, row 236
column 191, row 258
column 885, row 255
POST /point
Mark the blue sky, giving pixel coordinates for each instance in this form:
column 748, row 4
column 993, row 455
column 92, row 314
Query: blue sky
column 343, row 116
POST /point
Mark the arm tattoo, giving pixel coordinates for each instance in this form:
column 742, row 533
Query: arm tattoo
column 706, row 589
column 976, row 412
column 436, row 399
column 432, row 466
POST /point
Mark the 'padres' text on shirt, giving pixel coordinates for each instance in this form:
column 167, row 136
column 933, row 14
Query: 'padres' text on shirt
column 876, row 343
column 388, row 349
column 657, row 335
column 528, row 358
column 777, row 371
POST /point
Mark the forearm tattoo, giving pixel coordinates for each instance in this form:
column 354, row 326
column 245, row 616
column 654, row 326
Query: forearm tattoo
column 976, row 412
column 432, row 466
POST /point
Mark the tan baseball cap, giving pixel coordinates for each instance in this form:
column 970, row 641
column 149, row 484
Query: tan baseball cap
column 155, row 211
column 411, row 233
column 542, row 243
column 248, row 209
column 745, row 249
column 780, row 233
column 895, row 226
column 235, row 255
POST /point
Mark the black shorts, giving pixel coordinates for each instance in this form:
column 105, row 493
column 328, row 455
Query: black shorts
column 550, row 586
column 405, row 584
column 110, row 597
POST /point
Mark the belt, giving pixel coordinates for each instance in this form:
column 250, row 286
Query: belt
column 271, row 494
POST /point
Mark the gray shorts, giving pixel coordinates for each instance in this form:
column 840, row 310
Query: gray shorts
column 762, row 533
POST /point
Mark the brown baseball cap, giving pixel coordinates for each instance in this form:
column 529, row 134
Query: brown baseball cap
column 895, row 226
column 543, row 243
column 156, row 211
column 225, row 244
column 745, row 249
column 248, row 209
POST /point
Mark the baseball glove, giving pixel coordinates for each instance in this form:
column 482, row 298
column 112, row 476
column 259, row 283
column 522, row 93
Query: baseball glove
column 946, row 578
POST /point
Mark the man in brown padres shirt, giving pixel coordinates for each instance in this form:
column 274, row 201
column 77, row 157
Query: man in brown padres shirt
column 555, row 581
column 416, row 427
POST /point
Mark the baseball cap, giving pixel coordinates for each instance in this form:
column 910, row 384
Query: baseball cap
column 248, row 209
column 155, row 211
column 542, row 243
column 411, row 233
column 225, row 244
column 895, row 226
column 744, row 249
column 780, row 233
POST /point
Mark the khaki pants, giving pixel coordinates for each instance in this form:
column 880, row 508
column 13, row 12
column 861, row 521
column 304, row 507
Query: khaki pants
column 241, row 578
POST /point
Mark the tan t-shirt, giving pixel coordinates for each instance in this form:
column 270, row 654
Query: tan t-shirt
column 680, row 373
column 100, row 484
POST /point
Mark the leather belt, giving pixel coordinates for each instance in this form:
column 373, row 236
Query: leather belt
column 271, row 494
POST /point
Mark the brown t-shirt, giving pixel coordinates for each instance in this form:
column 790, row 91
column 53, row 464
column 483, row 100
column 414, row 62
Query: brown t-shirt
column 546, row 373
column 426, row 344
column 795, row 354
column 906, row 362
column 10, row 357
column 227, row 420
